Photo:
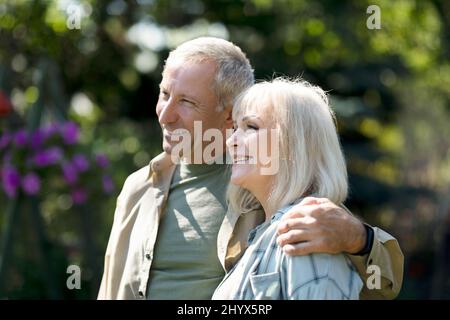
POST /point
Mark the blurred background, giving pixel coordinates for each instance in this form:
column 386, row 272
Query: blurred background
column 79, row 84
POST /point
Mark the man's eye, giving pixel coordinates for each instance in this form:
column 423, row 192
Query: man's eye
column 187, row 101
column 164, row 94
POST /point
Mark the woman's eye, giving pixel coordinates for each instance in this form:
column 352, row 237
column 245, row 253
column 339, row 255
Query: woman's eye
column 253, row 127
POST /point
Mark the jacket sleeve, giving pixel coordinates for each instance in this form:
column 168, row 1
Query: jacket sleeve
column 115, row 256
column 106, row 286
column 382, row 269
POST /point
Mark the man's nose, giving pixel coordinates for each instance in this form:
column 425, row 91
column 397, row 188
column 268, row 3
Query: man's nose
column 167, row 112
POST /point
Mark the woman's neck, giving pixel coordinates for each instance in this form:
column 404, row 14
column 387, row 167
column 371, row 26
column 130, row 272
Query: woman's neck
column 263, row 198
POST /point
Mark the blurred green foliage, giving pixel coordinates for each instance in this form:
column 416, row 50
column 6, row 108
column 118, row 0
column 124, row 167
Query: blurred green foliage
column 389, row 87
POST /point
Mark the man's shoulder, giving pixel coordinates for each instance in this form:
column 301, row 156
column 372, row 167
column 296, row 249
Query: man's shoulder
column 139, row 176
column 136, row 181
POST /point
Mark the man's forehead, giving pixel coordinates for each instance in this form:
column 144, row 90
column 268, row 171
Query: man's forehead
column 174, row 66
column 192, row 80
column 190, row 74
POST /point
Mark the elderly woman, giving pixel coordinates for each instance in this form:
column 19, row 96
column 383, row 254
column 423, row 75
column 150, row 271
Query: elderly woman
column 293, row 122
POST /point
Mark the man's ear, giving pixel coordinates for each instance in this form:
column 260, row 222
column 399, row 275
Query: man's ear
column 228, row 114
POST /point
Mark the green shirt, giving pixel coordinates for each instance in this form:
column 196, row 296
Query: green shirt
column 186, row 265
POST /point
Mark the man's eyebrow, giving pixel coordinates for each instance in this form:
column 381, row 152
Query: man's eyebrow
column 162, row 87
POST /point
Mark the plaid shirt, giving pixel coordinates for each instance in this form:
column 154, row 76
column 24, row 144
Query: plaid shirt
column 265, row 272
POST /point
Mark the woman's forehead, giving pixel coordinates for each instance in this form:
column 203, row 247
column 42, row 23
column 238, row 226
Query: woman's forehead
column 259, row 106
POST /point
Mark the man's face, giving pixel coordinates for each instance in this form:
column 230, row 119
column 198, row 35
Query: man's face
column 186, row 95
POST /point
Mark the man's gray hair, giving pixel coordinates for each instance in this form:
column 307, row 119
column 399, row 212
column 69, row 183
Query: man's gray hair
column 234, row 73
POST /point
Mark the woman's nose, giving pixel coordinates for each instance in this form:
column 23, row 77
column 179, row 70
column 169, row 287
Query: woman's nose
column 232, row 141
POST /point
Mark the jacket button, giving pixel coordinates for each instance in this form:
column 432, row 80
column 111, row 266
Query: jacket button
column 141, row 294
column 148, row 256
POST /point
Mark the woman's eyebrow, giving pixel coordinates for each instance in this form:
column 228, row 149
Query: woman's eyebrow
column 250, row 116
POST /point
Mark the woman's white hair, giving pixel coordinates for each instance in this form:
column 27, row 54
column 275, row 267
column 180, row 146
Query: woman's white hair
column 234, row 73
column 311, row 162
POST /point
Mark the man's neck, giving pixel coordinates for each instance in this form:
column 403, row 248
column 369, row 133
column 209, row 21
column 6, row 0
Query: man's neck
column 214, row 159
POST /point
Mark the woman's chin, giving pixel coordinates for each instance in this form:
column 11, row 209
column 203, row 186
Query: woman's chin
column 243, row 175
column 237, row 178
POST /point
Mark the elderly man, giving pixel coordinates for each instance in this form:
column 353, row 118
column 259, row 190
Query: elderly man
column 172, row 237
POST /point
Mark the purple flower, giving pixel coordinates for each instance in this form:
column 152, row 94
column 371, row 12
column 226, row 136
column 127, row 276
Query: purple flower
column 69, row 173
column 31, row 183
column 11, row 180
column 70, row 133
column 108, row 184
column 4, row 140
column 50, row 130
column 37, row 138
column 55, row 154
column 80, row 162
column 48, row 157
column 7, row 158
column 102, row 160
column 79, row 196
column 21, row 138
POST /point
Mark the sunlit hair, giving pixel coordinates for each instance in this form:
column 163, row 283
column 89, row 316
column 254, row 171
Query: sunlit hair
column 234, row 72
column 311, row 162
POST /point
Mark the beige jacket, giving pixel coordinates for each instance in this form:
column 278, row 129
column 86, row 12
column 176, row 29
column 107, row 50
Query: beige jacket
column 140, row 205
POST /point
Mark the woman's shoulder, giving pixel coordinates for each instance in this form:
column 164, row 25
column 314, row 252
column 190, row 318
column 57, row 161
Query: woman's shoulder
column 329, row 275
column 321, row 265
column 316, row 265
column 322, row 276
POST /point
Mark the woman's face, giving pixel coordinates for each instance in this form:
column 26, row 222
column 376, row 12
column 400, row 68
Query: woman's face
column 250, row 148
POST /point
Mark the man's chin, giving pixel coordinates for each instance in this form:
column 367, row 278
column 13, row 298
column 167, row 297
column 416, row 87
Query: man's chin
column 167, row 147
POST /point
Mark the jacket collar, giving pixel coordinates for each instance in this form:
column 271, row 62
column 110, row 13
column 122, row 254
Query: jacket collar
column 159, row 164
